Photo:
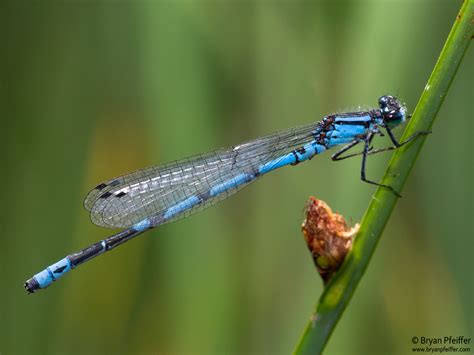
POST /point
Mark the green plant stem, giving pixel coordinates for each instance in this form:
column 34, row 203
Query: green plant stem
column 339, row 290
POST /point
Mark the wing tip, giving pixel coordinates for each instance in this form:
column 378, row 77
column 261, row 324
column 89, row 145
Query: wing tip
column 94, row 194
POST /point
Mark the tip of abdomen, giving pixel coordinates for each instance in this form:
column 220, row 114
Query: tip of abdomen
column 31, row 285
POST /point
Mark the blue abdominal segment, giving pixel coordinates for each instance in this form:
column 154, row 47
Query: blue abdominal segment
column 231, row 183
column 182, row 206
column 142, row 225
column 52, row 273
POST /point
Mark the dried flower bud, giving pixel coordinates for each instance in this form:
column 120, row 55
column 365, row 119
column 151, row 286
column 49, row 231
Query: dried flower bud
column 328, row 237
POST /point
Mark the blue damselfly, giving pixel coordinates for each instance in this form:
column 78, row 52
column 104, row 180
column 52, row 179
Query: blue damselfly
column 151, row 197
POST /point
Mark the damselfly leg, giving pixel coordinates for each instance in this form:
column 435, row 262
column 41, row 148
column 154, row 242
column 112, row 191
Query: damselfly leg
column 396, row 143
column 362, row 169
column 368, row 150
column 337, row 156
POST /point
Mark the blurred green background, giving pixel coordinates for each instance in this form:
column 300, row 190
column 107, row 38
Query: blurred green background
column 92, row 90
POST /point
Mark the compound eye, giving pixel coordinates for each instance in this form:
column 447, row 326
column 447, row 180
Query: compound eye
column 385, row 101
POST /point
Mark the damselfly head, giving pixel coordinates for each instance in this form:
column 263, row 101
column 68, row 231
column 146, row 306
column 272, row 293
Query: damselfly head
column 393, row 110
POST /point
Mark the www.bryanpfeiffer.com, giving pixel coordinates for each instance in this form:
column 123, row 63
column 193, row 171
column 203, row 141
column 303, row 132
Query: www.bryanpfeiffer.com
column 441, row 344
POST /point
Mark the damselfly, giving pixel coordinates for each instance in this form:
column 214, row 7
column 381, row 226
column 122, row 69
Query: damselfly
column 151, row 197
